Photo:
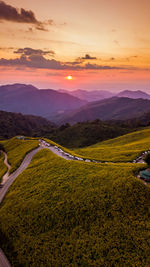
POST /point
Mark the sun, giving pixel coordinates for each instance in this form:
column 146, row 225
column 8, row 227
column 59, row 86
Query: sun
column 69, row 77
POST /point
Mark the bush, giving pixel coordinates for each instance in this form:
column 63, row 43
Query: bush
column 147, row 159
column 1, row 147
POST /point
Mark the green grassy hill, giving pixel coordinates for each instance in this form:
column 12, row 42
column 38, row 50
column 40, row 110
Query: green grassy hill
column 12, row 124
column 121, row 149
column 61, row 213
column 70, row 213
column 17, row 149
column 86, row 133
column 3, row 167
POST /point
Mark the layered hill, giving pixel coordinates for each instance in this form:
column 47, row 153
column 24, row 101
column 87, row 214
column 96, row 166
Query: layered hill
column 95, row 95
column 115, row 108
column 89, row 96
column 86, row 133
column 27, row 99
column 69, row 213
column 125, row 148
column 134, row 94
column 12, row 124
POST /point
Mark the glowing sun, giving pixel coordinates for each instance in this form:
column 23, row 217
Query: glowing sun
column 69, row 77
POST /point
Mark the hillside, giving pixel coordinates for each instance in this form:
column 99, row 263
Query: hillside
column 3, row 167
column 67, row 213
column 12, row 124
column 109, row 109
column 86, row 133
column 89, row 96
column 121, row 149
column 95, row 95
column 27, row 99
column 134, row 94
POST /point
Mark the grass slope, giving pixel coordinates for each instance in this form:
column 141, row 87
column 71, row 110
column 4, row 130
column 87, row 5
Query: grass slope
column 3, row 167
column 120, row 149
column 67, row 213
column 17, row 149
column 86, row 133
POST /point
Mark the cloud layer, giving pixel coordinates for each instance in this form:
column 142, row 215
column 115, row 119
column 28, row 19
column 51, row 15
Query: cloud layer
column 27, row 51
column 34, row 58
column 87, row 56
column 10, row 13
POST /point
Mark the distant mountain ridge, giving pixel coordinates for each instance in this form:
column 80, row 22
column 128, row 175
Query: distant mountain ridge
column 61, row 107
column 27, row 99
column 115, row 108
column 89, row 96
column 134, row 94
column 96, row 95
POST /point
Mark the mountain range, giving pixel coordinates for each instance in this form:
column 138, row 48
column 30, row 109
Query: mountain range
column 115, row 108
column 96, row 95
column 89, row 95
column 134, row 94
column 61, row 106
column 27, row 99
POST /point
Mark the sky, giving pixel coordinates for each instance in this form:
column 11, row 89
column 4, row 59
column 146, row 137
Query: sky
column 102, row 44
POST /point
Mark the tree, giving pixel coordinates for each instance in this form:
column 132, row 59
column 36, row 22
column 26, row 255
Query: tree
column 1, row 147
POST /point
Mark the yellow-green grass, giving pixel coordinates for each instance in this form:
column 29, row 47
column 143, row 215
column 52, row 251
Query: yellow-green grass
column 68, row 213
column 121, row 149
column 17, row 149
column 3, row 167
column 63, row 148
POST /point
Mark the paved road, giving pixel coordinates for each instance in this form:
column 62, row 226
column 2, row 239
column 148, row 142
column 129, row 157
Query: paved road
column 7, row 181
column 55, row 151
column 6, row 175
column 14, row 175
column 3, row 260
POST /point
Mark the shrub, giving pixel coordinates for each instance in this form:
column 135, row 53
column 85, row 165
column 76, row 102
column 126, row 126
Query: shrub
column 147, row 159
column 1, row 147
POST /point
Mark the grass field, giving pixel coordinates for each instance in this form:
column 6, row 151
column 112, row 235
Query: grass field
column 121, row 149
column 17, row 149
column 68, row 213
column 3, row 167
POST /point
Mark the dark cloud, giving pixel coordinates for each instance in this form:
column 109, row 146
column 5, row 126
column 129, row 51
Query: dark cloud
column 87, row 56
column 100, row 67
column 27, row 51
column 32, row 58
column 10, row 13
column 73, row 62
column 112, row 58
column 33, row 61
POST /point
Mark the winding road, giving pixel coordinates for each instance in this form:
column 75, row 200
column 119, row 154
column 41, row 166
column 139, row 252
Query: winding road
column 6, row 183
column 6, row 175
column 13, row 176
column 9, row 179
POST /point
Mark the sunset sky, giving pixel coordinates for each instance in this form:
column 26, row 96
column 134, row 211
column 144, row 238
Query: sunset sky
column 102, row 44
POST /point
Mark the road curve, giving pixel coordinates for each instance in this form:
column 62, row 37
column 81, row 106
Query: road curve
column 3, row 260
column 8, row 180
column 6, row 183
column 6, row 175
column 14, row 175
